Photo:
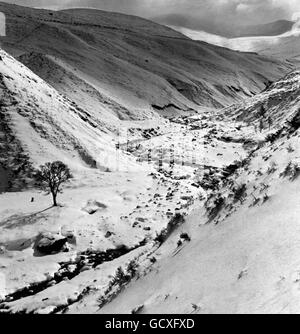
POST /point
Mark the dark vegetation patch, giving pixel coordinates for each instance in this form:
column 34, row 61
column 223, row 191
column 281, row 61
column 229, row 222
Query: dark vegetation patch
column 175, row 222
column 15, row 166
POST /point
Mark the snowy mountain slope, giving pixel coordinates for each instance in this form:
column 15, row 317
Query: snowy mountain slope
column 283, row 46
column 275, row 28
column 247, row 264
column 77, row 89
column 229, row 30
column 49, row 126
column 130, row 62
column 276, row 104
column 243, row 253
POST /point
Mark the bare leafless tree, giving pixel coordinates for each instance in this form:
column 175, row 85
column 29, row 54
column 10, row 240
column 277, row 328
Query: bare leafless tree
column 51, row 176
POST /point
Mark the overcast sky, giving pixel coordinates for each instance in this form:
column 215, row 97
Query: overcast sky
column 217, row 11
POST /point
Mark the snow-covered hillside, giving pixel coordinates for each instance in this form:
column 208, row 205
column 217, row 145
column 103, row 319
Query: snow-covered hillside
column 243, row 252
column 283, row 46
column 137, row 64
column 278, row 103
column 49, row 125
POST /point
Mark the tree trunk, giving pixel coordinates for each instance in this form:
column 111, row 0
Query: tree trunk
column 54, row 199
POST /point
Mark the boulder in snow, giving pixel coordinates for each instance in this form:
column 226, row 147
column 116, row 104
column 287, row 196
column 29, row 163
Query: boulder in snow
column 49, row 243
column 93, row 206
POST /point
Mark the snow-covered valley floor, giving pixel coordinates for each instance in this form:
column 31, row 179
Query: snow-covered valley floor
column 240, row 256
column 103, row 211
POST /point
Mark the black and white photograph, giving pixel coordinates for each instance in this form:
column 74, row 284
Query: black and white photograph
column 149, row 159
